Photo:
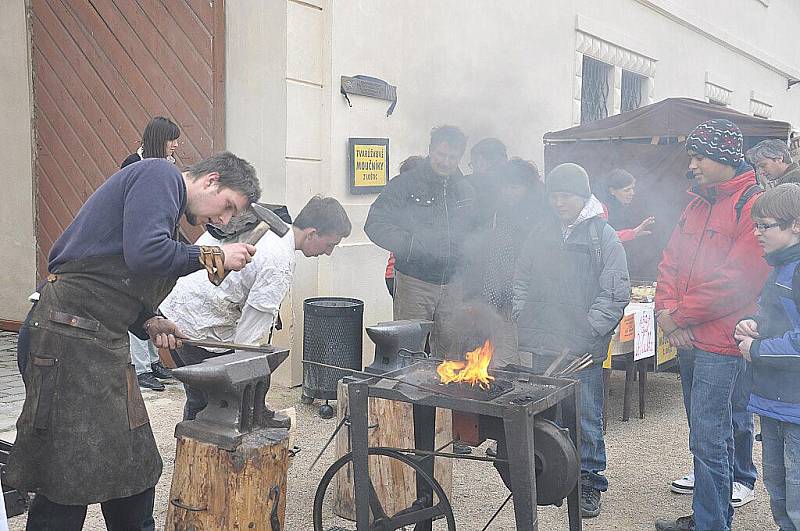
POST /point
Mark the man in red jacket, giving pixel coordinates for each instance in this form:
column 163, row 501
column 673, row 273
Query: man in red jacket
column 708, row 279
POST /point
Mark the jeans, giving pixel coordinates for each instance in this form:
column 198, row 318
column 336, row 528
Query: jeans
column 143, row 354
column 744, row 470
column 780, row 449
column 708, row 386
column 134, row 513
column 593, row 446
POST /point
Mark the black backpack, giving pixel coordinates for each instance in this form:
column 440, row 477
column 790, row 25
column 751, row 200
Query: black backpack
column 596, row 248
column 752, row 191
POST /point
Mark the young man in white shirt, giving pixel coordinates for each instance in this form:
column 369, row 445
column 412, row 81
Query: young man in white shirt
column 244, row 306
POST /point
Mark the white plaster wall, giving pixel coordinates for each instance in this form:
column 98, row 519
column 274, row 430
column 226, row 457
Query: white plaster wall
column 502, row 69
column 506, row 69
column 255, row 105
column 17, row 241
column 685, row 54
column 767, row 25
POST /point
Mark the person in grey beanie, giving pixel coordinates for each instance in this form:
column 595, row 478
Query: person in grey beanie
column 571, row 287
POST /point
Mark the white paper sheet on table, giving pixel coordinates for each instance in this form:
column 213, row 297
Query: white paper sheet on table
column 644, row 340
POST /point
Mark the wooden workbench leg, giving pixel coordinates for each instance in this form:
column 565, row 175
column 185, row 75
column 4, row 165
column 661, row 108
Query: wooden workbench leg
column 642, row 386
column 630, row 368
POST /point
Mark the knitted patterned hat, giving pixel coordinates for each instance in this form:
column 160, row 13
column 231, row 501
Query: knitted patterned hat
column 569, row 178
column 717, row 139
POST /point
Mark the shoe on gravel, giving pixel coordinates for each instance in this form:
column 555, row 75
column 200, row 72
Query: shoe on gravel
column 741, row 495
column 161, row 372
column 590, row 501
column 684, row 523
column 684, row 485
column 148, row 381
column 461, row 449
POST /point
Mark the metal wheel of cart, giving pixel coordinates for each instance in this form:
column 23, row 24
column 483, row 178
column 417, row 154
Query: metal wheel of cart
column 325, row 520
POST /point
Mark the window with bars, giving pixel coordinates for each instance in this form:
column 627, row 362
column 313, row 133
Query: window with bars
column 631, row 91
column 594, row 90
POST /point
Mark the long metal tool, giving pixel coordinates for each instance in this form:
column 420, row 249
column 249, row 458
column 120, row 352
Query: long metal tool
column 575, row 363
column 558, row 361
column 267, row 349
column 330, row 440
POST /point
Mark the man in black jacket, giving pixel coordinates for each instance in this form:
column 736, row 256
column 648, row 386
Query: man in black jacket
column 423, row 216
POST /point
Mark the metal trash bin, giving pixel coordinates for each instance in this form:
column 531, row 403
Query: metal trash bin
column 332, row 334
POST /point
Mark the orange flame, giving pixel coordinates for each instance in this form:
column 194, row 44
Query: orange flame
column 474, row 371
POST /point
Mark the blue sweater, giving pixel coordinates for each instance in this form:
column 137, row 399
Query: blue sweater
column 134, row 214
column 776, row 355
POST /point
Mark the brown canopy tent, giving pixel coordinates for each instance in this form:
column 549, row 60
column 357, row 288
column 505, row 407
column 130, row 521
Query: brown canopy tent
column 649, row 142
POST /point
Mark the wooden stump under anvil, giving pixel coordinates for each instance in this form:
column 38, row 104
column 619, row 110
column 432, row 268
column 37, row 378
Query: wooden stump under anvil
column 231, row 461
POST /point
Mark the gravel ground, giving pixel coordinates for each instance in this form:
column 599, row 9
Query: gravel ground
column 643, row 456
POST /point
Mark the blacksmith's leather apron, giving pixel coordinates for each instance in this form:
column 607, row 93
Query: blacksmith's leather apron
column 84, row 436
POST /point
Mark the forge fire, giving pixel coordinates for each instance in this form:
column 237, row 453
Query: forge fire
column 473, row 371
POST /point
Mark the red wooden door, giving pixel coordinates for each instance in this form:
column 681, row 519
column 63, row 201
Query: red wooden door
column 101, row 70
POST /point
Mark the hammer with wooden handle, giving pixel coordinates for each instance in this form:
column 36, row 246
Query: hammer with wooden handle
column 267, row 221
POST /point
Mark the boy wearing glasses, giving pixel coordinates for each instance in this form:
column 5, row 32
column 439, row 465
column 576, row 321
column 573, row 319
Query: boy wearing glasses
column 771, row 342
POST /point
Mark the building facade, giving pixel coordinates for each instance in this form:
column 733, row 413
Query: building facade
column 512, row 70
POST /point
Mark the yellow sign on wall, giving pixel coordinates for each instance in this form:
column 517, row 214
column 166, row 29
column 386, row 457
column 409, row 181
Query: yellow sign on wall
column 369, row 165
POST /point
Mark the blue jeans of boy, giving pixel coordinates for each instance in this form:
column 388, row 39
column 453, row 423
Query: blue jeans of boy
column 780, row 447
column 593, row 446
column 708, row 381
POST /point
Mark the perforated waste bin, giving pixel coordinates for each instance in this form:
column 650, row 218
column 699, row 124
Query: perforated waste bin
column 332, row 334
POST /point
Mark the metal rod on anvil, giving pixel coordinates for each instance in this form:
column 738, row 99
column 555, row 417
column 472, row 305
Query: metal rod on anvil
column 268, row 349
column 371, row 376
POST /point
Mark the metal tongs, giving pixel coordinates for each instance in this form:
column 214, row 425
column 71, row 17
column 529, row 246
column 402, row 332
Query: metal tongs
column 574, row 366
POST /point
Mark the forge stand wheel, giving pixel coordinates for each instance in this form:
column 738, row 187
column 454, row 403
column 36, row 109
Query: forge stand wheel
column 326, row 411
column 326, row 520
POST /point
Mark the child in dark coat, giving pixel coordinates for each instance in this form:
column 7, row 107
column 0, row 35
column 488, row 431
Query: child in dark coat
column 771, row 342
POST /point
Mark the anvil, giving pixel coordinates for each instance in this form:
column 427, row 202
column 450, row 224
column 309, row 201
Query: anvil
column 236, row 386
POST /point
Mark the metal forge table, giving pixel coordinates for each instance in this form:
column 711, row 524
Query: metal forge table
column 507, row 415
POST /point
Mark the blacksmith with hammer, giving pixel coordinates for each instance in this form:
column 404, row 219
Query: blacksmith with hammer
column 83, row 436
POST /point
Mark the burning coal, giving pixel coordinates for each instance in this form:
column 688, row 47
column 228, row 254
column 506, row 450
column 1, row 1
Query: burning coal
column 473, row 371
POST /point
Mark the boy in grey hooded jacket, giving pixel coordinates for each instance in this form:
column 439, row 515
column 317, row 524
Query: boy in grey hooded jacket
column 571, row 287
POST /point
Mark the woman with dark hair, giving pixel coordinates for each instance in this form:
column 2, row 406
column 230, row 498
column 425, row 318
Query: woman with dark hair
column 617, row 192
column 159, row 141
